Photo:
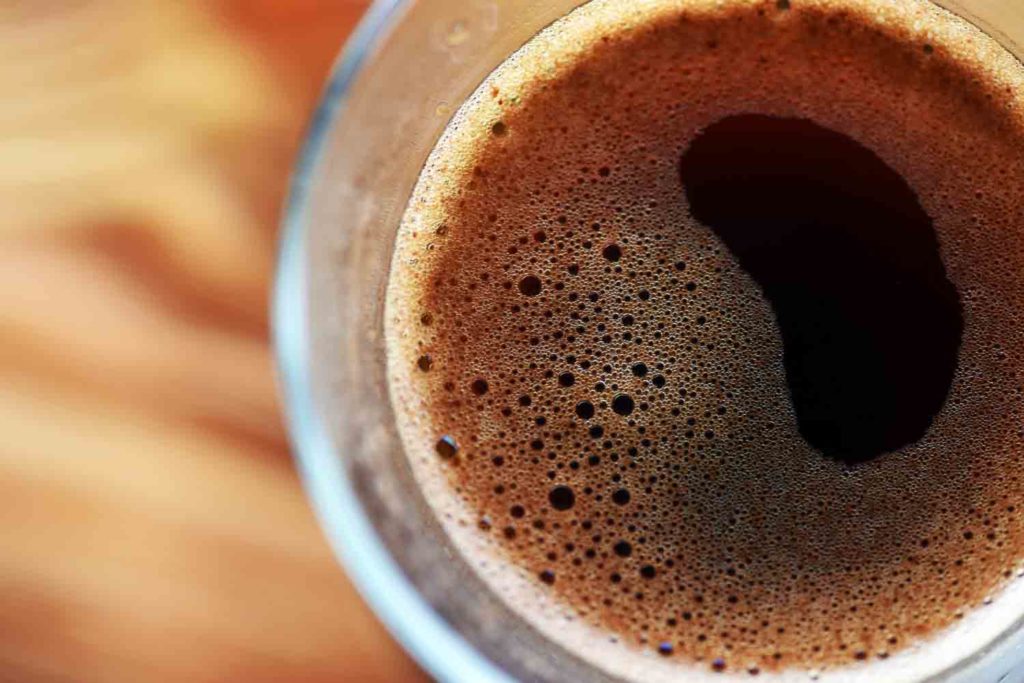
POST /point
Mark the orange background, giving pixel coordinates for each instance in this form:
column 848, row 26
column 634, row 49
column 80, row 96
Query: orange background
column 153, row 525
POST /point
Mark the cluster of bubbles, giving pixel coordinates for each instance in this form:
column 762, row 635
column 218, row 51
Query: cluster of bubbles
column 604, row 387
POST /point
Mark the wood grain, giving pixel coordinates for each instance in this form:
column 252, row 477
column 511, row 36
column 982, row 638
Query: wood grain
column 153, row 525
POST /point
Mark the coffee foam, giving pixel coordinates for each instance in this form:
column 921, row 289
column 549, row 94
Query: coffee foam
column 547, row 266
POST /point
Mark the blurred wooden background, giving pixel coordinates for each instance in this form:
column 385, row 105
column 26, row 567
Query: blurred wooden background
column 153, row 527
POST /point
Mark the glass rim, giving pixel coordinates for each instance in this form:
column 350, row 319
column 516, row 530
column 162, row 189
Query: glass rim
column 378, row 578
column 380, row 581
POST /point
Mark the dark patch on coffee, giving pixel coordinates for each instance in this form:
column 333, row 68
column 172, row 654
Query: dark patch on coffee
column 850, row 262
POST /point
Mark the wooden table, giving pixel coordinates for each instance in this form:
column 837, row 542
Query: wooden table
column 153, row 525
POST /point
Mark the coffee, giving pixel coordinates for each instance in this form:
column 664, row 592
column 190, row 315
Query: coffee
column 704, row 331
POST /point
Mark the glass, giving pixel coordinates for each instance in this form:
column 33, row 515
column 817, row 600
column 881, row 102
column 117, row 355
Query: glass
column 417, row 61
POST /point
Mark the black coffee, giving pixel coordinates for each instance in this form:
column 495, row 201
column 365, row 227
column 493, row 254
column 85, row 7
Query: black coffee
column 705, row 331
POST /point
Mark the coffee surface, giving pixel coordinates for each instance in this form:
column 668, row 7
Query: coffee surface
column 705, row 330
